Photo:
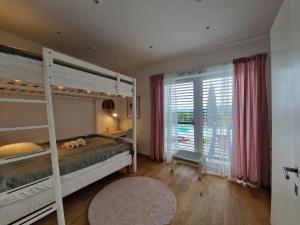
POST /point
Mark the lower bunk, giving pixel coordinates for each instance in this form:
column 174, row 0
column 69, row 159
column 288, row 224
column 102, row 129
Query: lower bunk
column 28, row 190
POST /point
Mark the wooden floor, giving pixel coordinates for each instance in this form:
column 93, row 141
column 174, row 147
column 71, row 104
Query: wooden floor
column 212, row 201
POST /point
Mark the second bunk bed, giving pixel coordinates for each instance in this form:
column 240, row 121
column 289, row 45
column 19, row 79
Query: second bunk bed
column 32, row 184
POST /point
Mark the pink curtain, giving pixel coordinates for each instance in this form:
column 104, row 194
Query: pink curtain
column 157, row 117
column 251, row 149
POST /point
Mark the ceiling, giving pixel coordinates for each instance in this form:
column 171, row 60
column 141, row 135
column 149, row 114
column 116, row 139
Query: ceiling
column 123, row 31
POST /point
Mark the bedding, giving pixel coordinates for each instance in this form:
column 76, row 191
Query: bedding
column 98, row 149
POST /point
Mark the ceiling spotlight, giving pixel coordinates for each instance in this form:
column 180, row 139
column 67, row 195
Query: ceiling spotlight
column 92, row 48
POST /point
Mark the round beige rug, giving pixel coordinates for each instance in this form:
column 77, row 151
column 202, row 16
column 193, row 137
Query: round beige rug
column 133, row 201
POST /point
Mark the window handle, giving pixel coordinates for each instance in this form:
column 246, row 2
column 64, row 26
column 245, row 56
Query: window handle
column 286, row 171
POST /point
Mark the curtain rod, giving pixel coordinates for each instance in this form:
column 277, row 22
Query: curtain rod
column 200, row 73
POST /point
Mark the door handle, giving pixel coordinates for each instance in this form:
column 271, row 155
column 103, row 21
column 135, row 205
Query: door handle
column 286, row 171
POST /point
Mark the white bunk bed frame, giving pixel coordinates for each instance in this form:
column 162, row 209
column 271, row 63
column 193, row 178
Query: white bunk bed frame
column 54, row 70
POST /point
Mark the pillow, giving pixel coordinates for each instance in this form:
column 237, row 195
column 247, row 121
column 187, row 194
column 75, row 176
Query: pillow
column 18, row 149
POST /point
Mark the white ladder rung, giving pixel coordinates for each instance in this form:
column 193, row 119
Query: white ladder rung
column 22, row 157
column 37, row 215
column 23, row 100
column 5, row 129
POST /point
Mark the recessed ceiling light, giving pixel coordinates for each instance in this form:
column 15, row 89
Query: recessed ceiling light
column 89, row 91
column 92, row 48
column 150, row 46
column 60, row 87
column 207, row 27
column 58, row 32
column 18, row 81
column 97, row 1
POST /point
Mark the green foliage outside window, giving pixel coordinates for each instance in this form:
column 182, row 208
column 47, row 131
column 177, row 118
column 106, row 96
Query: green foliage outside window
column 185, row 117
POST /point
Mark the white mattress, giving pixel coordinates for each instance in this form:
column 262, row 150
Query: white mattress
column 25, row 201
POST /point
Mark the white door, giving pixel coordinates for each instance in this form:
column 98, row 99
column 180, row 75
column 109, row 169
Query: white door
column 285, row 53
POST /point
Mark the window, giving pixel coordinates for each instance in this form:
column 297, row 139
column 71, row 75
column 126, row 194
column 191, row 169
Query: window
column 180, row 103
column 198, row 116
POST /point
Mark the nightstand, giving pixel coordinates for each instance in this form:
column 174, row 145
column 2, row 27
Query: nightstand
column 116, row 133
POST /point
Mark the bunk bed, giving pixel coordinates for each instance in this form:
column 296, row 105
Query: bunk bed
column 23, row 73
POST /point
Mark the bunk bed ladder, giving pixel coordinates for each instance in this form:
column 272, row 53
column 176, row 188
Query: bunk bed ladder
column 47, row 69
column 58, row 204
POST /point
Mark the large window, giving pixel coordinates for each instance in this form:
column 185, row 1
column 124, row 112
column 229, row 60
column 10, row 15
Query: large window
column 198, row 117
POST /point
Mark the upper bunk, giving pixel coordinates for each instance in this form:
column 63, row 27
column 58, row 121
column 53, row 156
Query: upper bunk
column 22, row 72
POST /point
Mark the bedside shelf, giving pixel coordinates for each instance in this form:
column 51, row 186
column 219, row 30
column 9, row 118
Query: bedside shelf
column 116, row 133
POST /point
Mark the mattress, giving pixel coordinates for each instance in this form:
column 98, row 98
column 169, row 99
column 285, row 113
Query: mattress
column 28, row 200
column 23, row 172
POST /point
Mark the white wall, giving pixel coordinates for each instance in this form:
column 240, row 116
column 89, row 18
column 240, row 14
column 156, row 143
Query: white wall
column 106, row 122
column 73, row 117
column 184, row 63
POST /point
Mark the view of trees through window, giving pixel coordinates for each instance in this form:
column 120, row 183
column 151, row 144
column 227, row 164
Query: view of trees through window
column 185, row 117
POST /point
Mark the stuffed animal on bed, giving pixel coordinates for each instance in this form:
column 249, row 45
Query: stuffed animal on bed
column 74, row 144
column 81, row 142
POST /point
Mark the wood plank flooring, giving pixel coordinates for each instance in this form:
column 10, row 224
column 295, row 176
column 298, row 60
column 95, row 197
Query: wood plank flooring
column 212, row 201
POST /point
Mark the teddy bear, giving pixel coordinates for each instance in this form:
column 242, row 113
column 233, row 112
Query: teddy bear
column 74, row 144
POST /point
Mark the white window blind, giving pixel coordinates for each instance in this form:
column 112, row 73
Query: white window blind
column 217, row 121
column 198, row 116
column 179, row 103
column 185, row 114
